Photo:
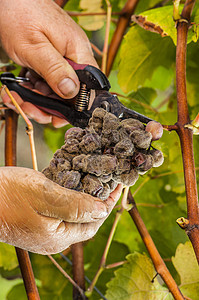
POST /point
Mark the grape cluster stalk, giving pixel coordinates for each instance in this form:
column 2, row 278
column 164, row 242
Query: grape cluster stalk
column 107, row 152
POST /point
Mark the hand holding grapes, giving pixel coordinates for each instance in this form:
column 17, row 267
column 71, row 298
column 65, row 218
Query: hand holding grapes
column 38, row 215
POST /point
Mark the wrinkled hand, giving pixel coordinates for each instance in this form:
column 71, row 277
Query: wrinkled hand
column 38, row 34
column 40, row 216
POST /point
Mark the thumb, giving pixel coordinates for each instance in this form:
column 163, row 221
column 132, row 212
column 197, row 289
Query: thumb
column 51, row 65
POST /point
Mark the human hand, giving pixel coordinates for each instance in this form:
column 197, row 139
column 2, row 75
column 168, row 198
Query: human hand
column 38, row 35
column 40, row 216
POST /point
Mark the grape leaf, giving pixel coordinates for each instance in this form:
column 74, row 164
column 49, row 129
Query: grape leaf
column 8, row 258
column 17, row 292
column 94, row 22
column 141, row 53
column 192, row 74
column 186, row 264
column 72, row 5
column 160, row 20
column 6, row 286
column 161, row 82
column 133, row 281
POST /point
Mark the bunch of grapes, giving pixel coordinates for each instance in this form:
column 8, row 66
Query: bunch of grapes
column 109, row 151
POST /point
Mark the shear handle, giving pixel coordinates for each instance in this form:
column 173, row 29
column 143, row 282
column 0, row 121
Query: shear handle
column 57, row 107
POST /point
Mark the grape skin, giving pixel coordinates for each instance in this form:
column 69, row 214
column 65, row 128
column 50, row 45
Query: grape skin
column 156, row 130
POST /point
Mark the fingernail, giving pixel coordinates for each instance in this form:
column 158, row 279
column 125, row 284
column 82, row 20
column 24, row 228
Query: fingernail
column 67, row 86
column 100, row 210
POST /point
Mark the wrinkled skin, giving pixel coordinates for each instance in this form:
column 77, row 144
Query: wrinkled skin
column 40, row 216
column 37, row 35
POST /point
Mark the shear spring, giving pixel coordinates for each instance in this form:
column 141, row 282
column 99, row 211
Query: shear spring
column 83, row 97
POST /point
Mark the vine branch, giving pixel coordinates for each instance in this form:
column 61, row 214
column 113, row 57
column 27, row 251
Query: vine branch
column 78, row 270
column 185, row 134
column 154, row 254
column 10, row 160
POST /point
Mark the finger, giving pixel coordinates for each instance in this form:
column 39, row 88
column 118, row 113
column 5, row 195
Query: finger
column 58, row 122
column 35, row 113
column 42, row 86
column 28, row 108
column 54, row 68
column 113, row 198
column 77, row 49
column 6, row 99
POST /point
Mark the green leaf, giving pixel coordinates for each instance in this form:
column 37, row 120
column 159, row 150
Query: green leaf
column 72, row 5
column 94, row 22
column 160, row 20
column 133, row 281
column 161, row 82
column 186, row 264
column 185, row 257
column 141, row 53
column 6, row 286
column 8, row 258
column 53, row 285
column 163, row 18
column 194, row 30
column 17, row 292
column 54, row 137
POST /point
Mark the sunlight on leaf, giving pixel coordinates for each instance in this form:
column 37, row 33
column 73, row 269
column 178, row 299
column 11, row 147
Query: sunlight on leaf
column 8, row 258
column 161, row 20
column 134, row 281
column 6, row 286
column 94, row 22
column 141, row 53
column 186, row 264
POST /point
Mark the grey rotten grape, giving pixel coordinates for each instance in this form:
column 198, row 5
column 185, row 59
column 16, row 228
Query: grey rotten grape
column 109, row 151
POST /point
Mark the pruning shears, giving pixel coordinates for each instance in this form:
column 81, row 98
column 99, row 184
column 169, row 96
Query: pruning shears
column 75, row 110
